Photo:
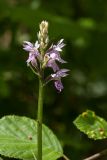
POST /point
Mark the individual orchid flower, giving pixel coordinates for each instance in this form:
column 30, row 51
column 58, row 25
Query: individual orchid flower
column 59, row 45
column 52, row 64
column 57, row 77
column 59, row 86
column 54, row 55
column 32, row 59
column 28, row 46
column 33, row 52
column 59, row 74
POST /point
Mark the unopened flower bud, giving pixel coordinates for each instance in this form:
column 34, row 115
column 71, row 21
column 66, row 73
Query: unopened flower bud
column 43, row 35
column 46, row 59
column 44, row 26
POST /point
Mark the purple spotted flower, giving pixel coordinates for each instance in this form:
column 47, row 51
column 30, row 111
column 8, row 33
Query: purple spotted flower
column 33, row 52
column 59, row 86
column 57, row 78
column 54, row 55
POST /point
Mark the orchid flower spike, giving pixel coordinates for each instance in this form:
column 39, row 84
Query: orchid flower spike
column 40, row 57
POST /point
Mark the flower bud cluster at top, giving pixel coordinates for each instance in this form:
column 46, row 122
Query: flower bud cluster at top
column 40, row 57
column 43, row 35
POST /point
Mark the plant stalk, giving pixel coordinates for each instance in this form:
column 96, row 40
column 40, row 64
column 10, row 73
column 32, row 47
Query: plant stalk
column 65, row 157
column 39, row 120
column 97, row 155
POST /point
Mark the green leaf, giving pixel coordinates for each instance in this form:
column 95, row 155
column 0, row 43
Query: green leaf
column 18, row 139
column 92, row 125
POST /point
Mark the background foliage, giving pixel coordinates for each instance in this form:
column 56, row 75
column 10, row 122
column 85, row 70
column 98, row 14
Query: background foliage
column 83, row 25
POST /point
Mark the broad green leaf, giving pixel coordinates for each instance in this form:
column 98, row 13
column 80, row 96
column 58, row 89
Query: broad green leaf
column 18, row 139
column 92, row 125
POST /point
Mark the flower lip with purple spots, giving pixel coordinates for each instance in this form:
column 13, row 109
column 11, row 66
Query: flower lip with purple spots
column 58, row 85
column 57, row 77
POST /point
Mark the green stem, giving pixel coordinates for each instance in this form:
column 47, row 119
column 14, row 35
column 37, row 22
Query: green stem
column 33, row 70
column 39, row 116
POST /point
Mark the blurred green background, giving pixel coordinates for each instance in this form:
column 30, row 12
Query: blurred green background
column 83, row 25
